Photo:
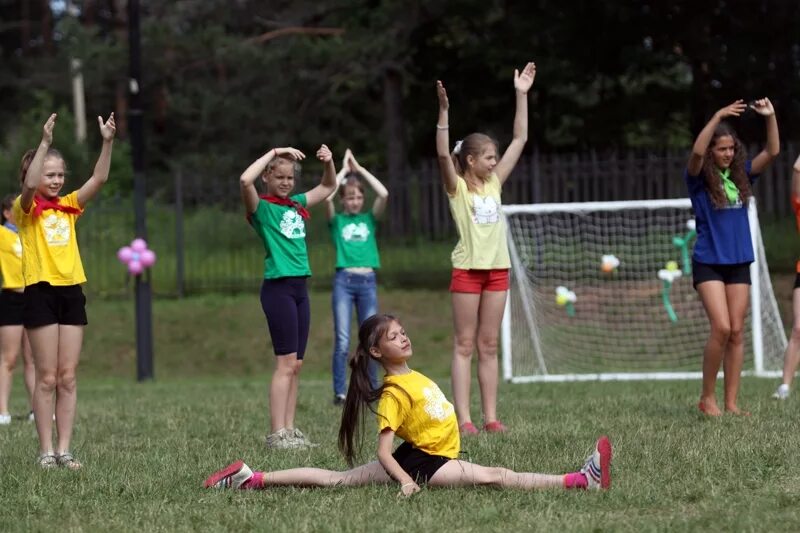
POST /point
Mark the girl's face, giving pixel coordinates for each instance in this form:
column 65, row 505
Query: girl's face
column 52, row 177
column 483, row 165
column 280, row 180
column 394, row 346
column 8, row 214
column 352, row 200
column 723, row 151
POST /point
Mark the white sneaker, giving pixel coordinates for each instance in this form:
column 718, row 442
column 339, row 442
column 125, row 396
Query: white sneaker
column 782, row 393
column 297, row 434
column 5, row 420
column 284, row 439
column 31, row 418
column 232, row 476
column 598, row 465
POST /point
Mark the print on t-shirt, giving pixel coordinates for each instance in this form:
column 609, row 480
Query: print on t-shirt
column 484, row 210
column 355, row 232
column 436, row 405
column 292, row 225
column 56, row 230
column 17, row 247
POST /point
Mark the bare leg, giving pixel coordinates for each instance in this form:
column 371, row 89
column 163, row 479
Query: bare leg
column 30, row 369
column 792, row 357
column 370, row 473
column 279, row 389
column 712, row 294
column 738, row 296
column 70, row 341
column 490, row 315
column 10, row 342
column 463, row 474
column 44, row 342
column 291, row 399
column 465, row 323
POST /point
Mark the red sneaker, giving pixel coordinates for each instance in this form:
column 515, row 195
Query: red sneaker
column 495, row 427
column 232, row 476
column 468, row 428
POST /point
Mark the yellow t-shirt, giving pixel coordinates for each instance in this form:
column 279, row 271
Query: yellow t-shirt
column 414, row 408
column 11, row 259
column 481, row 227
column 49, row 244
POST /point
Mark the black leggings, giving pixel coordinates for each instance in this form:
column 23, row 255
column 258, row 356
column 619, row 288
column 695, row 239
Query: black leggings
column 285, row 304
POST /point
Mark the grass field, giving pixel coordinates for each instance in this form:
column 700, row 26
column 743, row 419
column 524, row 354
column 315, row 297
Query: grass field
column 148, row 447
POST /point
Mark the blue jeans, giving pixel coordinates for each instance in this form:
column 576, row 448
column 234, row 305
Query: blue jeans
column 351, row 289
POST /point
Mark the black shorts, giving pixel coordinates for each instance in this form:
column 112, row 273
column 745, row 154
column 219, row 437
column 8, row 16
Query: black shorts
column 47, row 304
column 286, row 306
column 727, row 274
column 11, row 305
column 419, row 465
column 797, row 281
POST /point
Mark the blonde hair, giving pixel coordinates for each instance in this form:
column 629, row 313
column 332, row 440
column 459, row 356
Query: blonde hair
column 283, row 160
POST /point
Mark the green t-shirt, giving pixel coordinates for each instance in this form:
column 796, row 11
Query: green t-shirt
column 354, row 239
column 283, row 232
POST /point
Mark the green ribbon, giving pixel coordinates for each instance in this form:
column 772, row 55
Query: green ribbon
column 730, row 188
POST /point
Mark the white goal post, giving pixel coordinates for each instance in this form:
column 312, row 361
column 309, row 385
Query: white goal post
column 603, row 291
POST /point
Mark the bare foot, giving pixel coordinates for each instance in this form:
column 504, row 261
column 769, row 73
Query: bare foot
column 709, row 407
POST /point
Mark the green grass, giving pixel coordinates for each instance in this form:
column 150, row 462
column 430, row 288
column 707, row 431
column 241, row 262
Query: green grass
column 147, row 447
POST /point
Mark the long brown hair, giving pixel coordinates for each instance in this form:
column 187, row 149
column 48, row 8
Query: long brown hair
column 473, row 144
column 360, row 394
column 738, row 171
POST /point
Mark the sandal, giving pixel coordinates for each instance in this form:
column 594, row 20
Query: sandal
column 47, row 460
column 66, row 459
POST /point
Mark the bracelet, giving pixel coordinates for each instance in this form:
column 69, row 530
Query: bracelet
column 276, row 153
column 445, row 127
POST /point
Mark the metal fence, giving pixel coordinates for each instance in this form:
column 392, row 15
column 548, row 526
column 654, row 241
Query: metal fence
column 197, row 226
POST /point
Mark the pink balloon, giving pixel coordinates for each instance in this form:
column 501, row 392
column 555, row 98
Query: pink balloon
column 135, row 268
column 147, row 258
column 138, row 245
column 124, row 254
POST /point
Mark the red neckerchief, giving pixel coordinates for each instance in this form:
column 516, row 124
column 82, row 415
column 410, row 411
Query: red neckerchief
column 302, row 211
column 43, row 203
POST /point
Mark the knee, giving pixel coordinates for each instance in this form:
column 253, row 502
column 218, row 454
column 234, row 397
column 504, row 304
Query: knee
column 464, row 347
column 8, row 362
column 721, row 332
column 66, row 380
column 495, row 477
column 487, row 347
column 736, row 335
column 46, row 381
column 795, row 333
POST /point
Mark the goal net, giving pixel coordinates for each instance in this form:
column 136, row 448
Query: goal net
column 603, row 291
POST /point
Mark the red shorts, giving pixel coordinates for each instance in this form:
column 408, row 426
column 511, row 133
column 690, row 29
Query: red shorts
column 477, row 281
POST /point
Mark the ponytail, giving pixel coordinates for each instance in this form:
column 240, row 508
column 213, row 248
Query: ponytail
column 360, row 394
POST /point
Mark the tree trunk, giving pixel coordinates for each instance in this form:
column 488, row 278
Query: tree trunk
column 399, row 209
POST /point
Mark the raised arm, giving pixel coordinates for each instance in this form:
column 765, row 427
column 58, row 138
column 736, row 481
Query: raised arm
column 760, row 162
column 446, row 167
column 522, row 84
column 247, row 181
column 695, row 163
column 34, row 174
column 100, row 175
column 392, row 467
column 328, row 183
column 330, row 208
column 381, row 193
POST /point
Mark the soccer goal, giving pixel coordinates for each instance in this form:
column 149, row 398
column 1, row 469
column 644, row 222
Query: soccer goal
column 603, row 291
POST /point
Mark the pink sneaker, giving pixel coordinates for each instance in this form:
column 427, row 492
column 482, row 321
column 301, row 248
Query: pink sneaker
column 468, row 428
column 232, row 476
column 495, row 427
